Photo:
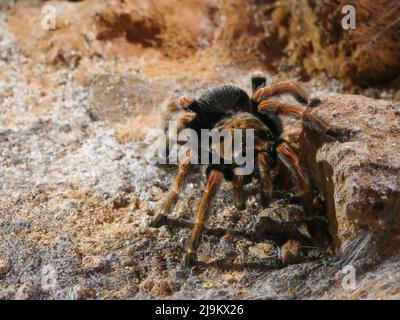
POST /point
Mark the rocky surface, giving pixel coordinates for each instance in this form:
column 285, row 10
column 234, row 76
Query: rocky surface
column 312, row 36
column 77, row 108
column 359, row 176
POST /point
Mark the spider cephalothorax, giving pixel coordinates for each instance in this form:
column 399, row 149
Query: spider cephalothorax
column 229, row 107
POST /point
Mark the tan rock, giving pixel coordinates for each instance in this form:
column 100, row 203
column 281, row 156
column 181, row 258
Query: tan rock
column 163, row 287
column 397, row 95
column 84, row 28
column 83, row 293
column 291, row 252
column 117, row 98
column 94, row 264
column 360, row 55
column 359, row 178
column 261, row 250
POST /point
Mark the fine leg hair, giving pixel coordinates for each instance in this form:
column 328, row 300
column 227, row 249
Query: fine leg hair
column 238, row 197
column 177, row 187
column 279, row 88
column 213, row 184
column 182, row 122
column 265, row 166
column 292, row 162
column 272, row 106
column 174, row 106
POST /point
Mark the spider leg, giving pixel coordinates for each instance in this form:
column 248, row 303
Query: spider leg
column 184, row 120
column 271, row 106
column 172, row 130
column 177, row 105
column 213, row 184
column 173, row 107
column 279, row 88
column 238, row 198
column 177, row 187
column 265, row 166
column 292, row 162
column 258, row 80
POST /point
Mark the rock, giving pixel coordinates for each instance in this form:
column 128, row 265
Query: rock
column 5, row 265
column 116, row 99
column 86, row 29
column 397, row 95
column 27, row 291
column 83, row 293
column 127, row 261
column 291, row 252
column 83, row 75
column 77, row 292
column 159, row 287
column 280, row 222
column 359, row 177
column 147, row 284
column 349, row 55
column 307, row 37
column 95, row 264
column 261, row 250
column 163, row 287
column 121, row 201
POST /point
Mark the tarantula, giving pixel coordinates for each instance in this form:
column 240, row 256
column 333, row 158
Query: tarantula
column 228, row 106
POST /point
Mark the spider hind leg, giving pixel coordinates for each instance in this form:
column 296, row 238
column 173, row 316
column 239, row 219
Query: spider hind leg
column 238, row 197
column 292, row 162
column 265, row 165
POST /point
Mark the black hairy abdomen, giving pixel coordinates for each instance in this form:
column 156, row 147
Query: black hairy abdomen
column 218, row 103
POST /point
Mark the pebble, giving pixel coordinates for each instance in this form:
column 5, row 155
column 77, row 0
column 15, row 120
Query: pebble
column 291, row 252
column 5, row 265
column 95, row 264
column 83, row 293
column 261, row 250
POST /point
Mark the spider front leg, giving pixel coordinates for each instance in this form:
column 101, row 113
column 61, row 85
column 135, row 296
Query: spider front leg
column 265, row 166
column 292, row 162
column 279, row 88
column 313, row 122
column 213, row 184
column 177, row 187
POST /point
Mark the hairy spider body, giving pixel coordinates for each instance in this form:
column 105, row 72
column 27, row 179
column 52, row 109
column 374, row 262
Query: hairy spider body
column 229, row 107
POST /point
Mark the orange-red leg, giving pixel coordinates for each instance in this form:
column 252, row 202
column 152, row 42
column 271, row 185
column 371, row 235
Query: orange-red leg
column 279, row 88
column 238, row 197
column 282, row 108
column 173, row 196
column 290, row 159
column 265, row 166
column 202, row 214
column 174, row 107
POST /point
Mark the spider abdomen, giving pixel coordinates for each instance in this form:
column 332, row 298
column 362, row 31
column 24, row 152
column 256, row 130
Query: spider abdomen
column 217, row 103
